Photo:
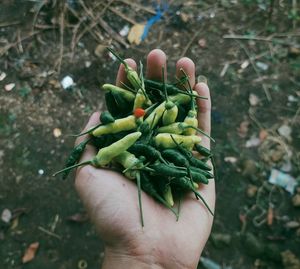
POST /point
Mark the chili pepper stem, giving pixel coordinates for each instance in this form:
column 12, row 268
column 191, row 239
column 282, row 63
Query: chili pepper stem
column 203, row 201
column 87, row 132
column 71, row 167
column 118, row 57
column 138, row 180
column 166, row 205
column 200, row 131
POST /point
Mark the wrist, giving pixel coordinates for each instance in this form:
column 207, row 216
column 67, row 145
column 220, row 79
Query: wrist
column 114, row 260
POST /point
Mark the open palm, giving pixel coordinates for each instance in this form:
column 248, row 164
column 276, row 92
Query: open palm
column 112, row 200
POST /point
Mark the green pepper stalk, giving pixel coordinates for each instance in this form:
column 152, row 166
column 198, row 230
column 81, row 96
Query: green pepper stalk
column 171, row 112
column 132, row 75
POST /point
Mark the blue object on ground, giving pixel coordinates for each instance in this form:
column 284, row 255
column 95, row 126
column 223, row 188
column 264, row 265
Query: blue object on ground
column 160, row 10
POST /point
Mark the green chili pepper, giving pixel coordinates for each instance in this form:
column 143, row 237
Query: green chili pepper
column 106, row 154
column 148, row 187
column 131, row 74
column 124, row 124
column 126, row 95
column 106, row 117
column 75, row 156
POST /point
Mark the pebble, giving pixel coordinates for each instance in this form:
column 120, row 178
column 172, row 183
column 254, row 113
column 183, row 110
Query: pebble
column 296, row 200
column 6, row 215
column 251, row 191
column 9, row 87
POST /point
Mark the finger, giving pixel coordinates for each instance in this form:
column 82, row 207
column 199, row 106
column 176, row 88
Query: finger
column 156, row 59
column 89, row 151
column 121, row 76
column 204, row 111
column 188, row 66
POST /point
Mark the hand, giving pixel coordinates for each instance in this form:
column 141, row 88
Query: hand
column 112, row 200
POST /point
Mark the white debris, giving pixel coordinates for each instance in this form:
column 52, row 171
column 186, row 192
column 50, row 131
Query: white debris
column 230, row 159
column 253, row 99
column 41, row 172
column 67, row 82
column 283, row 180
column 124, row 31
column 9, row 87
column 285, row 131
column 2, row 76
column 292, row 98
column 254, row 141
column 262, row 66
column 6, row 215
column 87, row 64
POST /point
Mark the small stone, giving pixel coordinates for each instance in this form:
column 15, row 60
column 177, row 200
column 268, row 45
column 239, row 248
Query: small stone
column 251, row 191
column 57, row 132
column 9, row 87
column 262, row 66
column 230, row 159
column 41, row 172
column 296, row 200
column 202, row 43
column 124, row 31
column 184, row 17
column 292, row 224
column 6, row 215
column 285, row 131
column 253, row 99
column 87, row 64
column 2, row 76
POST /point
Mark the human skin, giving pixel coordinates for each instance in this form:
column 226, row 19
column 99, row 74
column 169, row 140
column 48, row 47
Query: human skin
column 111, row 200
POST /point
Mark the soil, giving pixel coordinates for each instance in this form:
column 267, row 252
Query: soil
column 31, row 151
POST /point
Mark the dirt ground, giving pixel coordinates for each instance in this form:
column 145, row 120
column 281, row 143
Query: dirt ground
column 250, row 53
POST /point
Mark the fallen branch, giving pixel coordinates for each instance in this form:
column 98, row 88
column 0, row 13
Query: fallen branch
column 265, row 88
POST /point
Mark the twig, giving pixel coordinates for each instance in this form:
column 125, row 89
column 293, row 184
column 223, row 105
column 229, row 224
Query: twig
column 121, row 15
column 49, row 233
column 265, row 88
column 256, row 38
column 294, row 4
column 7, row 24
column 112, row 33
column 11, row 45
column 190, row 43
column 104, row 25
column 132, row 3
column 61, row 34
column 108, row 5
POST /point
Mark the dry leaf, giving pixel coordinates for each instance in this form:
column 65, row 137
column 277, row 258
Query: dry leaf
column 99, row 50
column 270, row 215
column 135, row 33
column 30, row 252
column 243, row 129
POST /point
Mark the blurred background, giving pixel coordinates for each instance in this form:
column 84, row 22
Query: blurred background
column 53, row 60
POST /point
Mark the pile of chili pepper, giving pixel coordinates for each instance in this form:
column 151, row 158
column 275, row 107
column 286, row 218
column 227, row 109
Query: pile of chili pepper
column 149, row 133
